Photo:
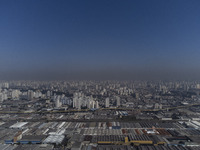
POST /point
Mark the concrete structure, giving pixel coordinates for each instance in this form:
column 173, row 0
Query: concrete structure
column 118, row 101
column 18, row 125
column 107, row 103
column 54, row 139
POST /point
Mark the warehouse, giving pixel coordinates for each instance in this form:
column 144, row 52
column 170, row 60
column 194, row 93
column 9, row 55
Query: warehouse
column 32, row 139
column 54, row 139
column 18, row 125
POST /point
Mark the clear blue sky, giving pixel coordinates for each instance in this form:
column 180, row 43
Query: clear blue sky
column 99, row 39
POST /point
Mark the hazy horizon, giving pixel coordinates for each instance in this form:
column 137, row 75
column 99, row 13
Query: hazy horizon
column 99, row 40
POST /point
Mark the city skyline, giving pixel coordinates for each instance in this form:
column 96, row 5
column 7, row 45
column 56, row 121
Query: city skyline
column 99, row 40
column 99, row 75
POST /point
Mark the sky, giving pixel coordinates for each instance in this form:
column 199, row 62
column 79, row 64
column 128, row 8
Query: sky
column 99, row 39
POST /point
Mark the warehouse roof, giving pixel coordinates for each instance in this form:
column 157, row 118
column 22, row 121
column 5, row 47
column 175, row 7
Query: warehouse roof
column 54, row 139
column 18, row 125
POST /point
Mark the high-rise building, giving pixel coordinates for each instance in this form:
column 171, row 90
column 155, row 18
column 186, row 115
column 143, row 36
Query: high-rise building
column 118, row 101
column 6, row 85
column 77, row 101
column 15, row 94
column 57, row 101
column 198, row 86
column 97, row 105
column 90, row 103
column 158, row 106
column 48, row 94
column 1, row 97
column 30, row 94
column 137, row 95
column 107, row 103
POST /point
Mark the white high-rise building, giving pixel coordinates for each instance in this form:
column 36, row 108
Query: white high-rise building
column 97, row 105
column 79, row 103
column 30, row 94
column 87, row 103
column 107, row 102
column 158, row 106
column 5, row 96
column 118, row 101
column 38, row 94
column 6, row 85
column 57, row 101
column 75, row 99
column 92, row 104
column 15, row 94
column 1, row 97
column 137, row 95
column 198, row 86
column 48, row 94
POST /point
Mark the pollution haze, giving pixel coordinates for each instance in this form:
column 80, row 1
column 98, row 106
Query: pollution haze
column 99, row 40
